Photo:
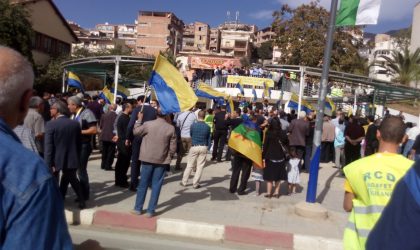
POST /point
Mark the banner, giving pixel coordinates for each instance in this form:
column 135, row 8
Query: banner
column 253, row 81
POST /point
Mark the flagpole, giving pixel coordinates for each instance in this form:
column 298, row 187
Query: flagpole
column 117, row 71
column 316, row 148
column 301, row 88
column 64, row 81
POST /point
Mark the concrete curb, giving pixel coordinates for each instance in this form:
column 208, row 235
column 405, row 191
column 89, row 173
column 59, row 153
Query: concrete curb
column 190, row 229
column 200, row 230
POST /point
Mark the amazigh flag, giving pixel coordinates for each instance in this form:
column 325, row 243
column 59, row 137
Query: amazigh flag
column 358, row 12
column 246, row 140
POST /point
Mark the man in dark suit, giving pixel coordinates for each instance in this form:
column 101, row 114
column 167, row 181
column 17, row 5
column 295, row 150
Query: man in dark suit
column 124, row 151
column 220, row 134
column 149, row 114
column 106, row 125
column 62, row 149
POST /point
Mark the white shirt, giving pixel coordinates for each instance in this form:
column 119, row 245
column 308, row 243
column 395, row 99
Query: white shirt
column 413, row 132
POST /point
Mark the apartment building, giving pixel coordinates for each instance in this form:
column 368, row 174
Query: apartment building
column 125, row 32
column 236, row 39
column 95, row 40
column 158, row 31
column 265, row 35
column 384, row 45
column 215, row 38
column 196, row 37
column 415, row 32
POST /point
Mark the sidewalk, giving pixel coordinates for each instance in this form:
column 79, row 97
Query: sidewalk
column 213, row 213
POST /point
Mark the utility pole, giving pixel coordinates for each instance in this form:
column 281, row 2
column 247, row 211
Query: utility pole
column 316, row 149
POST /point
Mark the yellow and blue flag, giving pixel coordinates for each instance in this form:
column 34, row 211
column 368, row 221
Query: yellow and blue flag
column 107, row 95
column 294, row 104
column 121, row 91
column 74, row 81
column 267, row 91
column 329, row 104
column 254, row 95
column 230, row 107
column 206, row 91
column 172, row 91
column 241, row 89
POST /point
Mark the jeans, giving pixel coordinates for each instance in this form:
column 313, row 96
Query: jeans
column 150, row 173
column 82, row 171
column 408, row 147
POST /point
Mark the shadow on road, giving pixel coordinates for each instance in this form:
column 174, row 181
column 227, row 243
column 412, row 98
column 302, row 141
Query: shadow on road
column 327, row 187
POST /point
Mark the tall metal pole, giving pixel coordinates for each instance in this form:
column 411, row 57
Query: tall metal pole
column 302, row 81
column 316, row 149
column 64, row 81
column 117, row 71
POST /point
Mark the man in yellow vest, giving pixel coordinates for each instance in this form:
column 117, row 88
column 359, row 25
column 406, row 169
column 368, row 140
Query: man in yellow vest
column 370, row 182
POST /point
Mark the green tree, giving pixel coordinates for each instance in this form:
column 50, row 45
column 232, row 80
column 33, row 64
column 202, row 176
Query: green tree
column 403, row 66
column 265, row 51
column 15, row 28
column 402, row 38
column 301, row 35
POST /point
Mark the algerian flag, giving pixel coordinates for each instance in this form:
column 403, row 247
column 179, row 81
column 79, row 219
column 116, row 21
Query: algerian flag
column 358, row 12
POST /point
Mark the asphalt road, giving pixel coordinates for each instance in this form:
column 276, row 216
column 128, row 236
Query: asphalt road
column 95, row 238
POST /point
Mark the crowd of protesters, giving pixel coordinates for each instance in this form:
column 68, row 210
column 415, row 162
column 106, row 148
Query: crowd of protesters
column 63, row 129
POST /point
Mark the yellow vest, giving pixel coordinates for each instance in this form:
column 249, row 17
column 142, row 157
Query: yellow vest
column 372, row 180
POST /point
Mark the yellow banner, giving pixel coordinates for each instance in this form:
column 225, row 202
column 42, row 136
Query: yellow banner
column 254, row 81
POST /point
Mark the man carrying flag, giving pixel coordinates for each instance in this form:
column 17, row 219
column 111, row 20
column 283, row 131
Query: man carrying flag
column 241, row 89
column 245, row 143
column 172, row 91
column 74, row 81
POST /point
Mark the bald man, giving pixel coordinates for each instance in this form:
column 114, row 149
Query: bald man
column 33, row 210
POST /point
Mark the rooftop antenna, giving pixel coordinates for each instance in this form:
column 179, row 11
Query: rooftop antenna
column 228, row 16
column 237, row 19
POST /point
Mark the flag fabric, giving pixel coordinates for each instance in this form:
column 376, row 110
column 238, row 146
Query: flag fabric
column 254, row 95
column 206, row 91
column 121, row 91
column 74, row 81
column 230, row 107
column 294, row 104
column 107, row 95
column 358, row 12
column 329, row 104
column 172, row 91
column 246, row 140
column 241, row 89
column 267, row 91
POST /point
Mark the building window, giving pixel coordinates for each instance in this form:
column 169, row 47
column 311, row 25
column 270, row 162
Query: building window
column 199, row 28
column 50, row 45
